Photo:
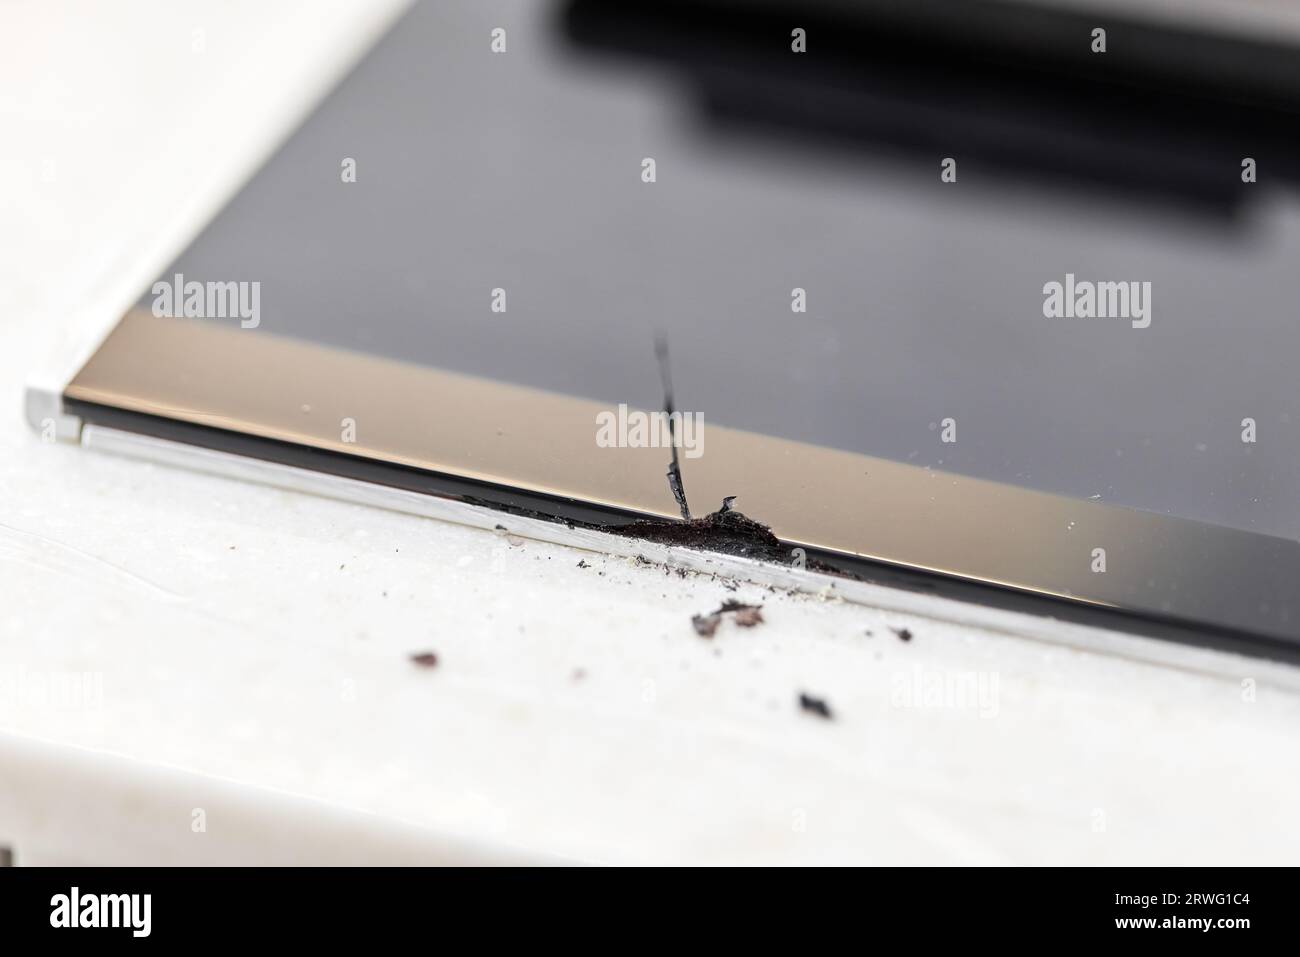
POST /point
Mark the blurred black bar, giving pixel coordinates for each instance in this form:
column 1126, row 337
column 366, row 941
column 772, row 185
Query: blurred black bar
column 1163, row 116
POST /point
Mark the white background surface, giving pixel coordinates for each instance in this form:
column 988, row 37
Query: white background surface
column 247, row 648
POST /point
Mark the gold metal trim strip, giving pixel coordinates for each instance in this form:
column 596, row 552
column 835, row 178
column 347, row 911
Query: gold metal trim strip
column 253, row 382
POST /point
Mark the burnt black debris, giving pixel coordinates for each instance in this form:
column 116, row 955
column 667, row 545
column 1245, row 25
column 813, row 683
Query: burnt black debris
column 903, row 634
column 510, row 537
column 744, row 615
column 674, row 467
column 582, row 563
column 817, row 706
column 706, row 626
column 726, row 530
column 425, row 659
column 675, row 483
column 747, row 616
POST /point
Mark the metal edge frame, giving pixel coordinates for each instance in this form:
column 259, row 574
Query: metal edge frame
column 1080, row 637
column 257, row 393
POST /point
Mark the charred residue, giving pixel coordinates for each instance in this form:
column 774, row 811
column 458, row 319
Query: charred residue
column 726, row 530
column 817, row 706
column 674, row 467
column 743, row 614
